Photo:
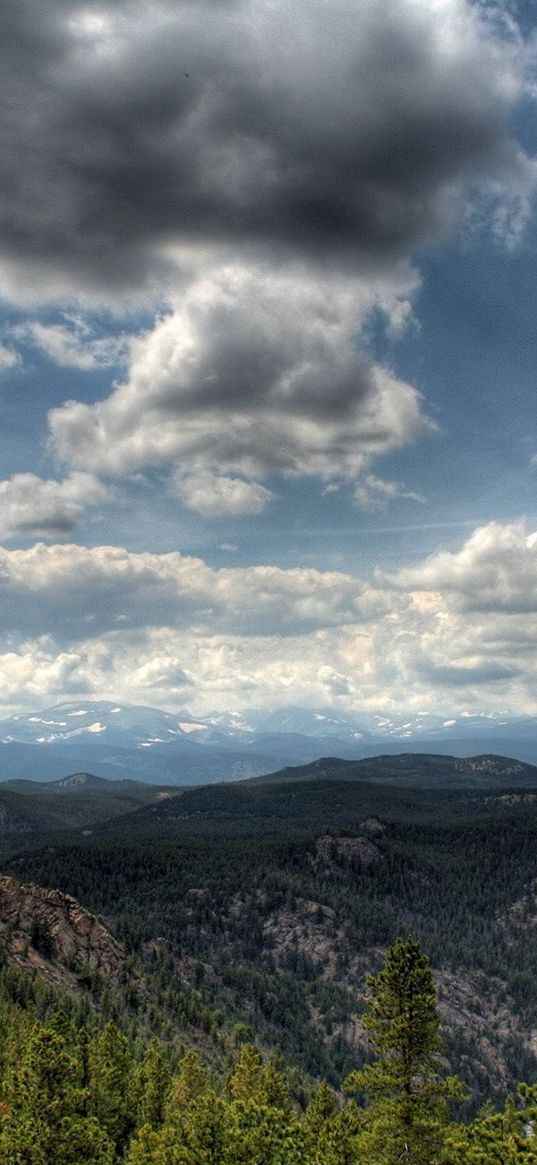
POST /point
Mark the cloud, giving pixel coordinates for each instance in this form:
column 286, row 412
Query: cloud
column 257, row 372
column 73, row 344
column 494, row 571
column 265, row 171
column 32, row 507
column 214, row 495
column 70, row 590
column 37, row 670
column 151, row 627
column 373, row 493
column 134, row 135
column 8, row 358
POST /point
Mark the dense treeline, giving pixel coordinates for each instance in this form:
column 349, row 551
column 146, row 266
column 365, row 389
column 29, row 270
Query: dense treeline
column 74, row 1089
column 242, row 933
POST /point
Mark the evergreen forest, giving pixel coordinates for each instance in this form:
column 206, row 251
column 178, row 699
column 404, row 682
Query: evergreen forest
column 311, row 972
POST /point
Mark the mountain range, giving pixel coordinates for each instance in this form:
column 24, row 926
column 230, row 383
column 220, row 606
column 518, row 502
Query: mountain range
column 160, row 747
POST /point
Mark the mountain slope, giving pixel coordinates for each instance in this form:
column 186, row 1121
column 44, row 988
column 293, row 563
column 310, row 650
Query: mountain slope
column 418, row 770
column 279, row 936
column 32, row 813
column 331, row 793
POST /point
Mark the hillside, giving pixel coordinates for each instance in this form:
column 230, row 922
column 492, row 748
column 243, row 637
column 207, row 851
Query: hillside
column 278, row 935
column 331, row 793
column 264, row 903
column 417, row 770
column 282, row 808
column 34, row 812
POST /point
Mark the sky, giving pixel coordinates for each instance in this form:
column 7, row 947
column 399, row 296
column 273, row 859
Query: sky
column 267, row 354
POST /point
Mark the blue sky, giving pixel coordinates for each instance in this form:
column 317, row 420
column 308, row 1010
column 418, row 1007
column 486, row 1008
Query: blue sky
column 268, row 355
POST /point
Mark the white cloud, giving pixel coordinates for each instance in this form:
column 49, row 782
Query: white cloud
column 8, row 358
column 373, row 493
column 214, row 495
column 104, row 588
column 73, row 344
column 149, row 627
column 37, row 671
column 33, row 507
column 495, row 570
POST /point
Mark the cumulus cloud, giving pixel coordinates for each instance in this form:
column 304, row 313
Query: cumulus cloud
column 330, row 130
column 495, row 570
column 256, row 372
column 214, row 495
column 260, row 174
column 266, row 170
column 151, row 627
column 67, row 588
column 33, row 507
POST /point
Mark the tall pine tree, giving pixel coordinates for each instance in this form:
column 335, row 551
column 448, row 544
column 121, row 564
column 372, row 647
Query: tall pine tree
column 407, row 1116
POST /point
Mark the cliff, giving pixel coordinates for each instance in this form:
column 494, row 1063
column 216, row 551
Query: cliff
column 50, row 933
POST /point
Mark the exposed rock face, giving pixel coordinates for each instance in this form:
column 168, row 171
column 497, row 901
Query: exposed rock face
column 491, row 765
column 373, row 827
column 359, row 849
column 51, row 933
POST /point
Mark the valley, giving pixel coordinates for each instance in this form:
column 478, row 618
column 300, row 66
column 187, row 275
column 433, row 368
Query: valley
column 260, row 906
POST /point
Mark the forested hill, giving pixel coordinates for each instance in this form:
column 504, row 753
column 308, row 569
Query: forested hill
column 76, row 1088
column 283, row 807
column 264, row 904
column 277, row 936
column 329, row 794
column 419, row 770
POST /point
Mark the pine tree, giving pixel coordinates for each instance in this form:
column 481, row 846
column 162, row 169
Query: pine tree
column 44, row 1121
column 330, row 1131
column 407, row 1116
column 110, row 1070
column 152, row 1085
column 494, row 1138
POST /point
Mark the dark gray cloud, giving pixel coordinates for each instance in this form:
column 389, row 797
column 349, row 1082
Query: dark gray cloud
column 329, row 129
column 459, row 675
column 254, row 373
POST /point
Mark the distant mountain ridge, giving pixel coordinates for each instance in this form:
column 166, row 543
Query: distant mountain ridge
column 414, row 770
column 117, row 741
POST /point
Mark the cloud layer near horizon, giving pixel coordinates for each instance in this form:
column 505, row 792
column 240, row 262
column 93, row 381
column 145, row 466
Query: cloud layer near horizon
column 169, row 629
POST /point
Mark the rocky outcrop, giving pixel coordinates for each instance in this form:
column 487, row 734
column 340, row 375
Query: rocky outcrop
column 348, row 849
column 494, row 766
column 372, row 827
column 51, row 933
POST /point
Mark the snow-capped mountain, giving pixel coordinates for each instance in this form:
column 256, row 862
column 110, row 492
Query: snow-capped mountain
column 128, row 726
column 150, row 744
